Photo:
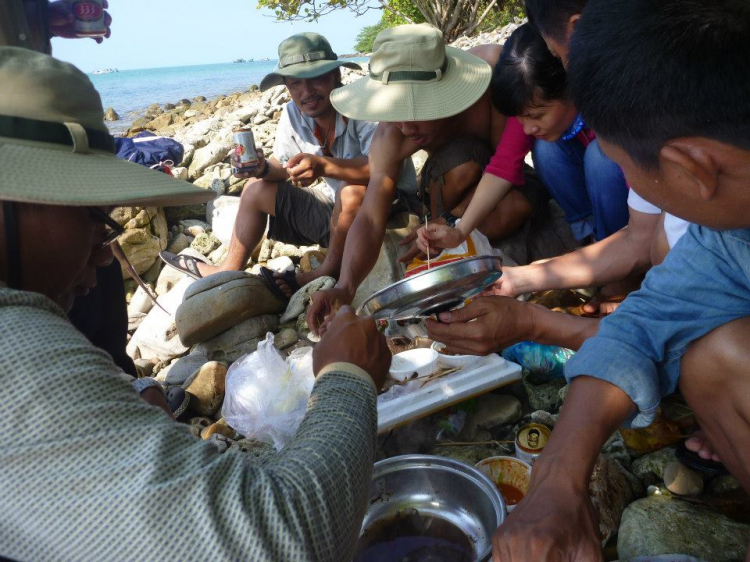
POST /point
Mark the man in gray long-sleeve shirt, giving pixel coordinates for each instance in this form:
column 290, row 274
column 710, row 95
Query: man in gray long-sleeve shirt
column 98, row 474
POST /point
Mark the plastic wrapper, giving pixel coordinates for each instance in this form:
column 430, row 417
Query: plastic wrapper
column 546, row 360
column 266, row 395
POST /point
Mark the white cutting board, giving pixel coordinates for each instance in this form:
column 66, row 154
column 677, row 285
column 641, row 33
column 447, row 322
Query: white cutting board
column 486, row 374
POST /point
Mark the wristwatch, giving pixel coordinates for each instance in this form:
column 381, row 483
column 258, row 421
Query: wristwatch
column 450, row 219
column 265, row 171
column 147, row 382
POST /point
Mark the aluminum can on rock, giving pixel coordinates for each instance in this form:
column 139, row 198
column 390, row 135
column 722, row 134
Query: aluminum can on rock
column 89, row 18
column 530, row 441
column 244, row 147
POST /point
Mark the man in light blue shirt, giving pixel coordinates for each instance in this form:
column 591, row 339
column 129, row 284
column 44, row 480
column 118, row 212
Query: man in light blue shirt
column 683, row 141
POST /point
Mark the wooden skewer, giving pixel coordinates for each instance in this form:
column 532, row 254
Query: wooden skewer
column 428, row 243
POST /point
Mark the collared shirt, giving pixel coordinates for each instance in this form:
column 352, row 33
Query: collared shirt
column 16, row 20
column 90, row 471
column 295, row 134
column 703, row 283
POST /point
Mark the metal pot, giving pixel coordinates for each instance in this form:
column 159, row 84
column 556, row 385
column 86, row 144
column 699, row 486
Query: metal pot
column 438, row 487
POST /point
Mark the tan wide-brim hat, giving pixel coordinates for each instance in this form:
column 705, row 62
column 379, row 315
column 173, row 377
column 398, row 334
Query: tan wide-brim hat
column 55, row 148
column 305, row 55
column 414, row 77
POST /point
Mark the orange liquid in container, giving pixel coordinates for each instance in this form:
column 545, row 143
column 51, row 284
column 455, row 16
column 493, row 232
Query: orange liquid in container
column 511, row 494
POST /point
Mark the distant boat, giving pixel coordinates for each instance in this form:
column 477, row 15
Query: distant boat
column 242, row 60
column 105, row 71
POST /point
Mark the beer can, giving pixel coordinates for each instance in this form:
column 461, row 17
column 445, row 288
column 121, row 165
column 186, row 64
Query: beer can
column 89, row 18
column 530, row 440
column 244, row 147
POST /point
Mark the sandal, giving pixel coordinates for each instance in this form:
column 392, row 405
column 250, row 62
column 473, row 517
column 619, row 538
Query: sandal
column 178, row 401
column 190, row 266
column 696, row 462
column 289, row 277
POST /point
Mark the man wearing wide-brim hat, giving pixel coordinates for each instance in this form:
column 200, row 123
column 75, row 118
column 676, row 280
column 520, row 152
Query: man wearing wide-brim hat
column 313, row 141
column 98, row 473
column 429, row 97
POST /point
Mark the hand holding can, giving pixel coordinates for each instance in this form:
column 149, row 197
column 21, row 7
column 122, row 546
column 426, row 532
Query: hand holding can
column 80, row 18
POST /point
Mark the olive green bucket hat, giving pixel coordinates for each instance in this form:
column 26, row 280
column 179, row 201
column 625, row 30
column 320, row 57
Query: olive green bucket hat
column 55, row 148
column 414, row 77
column 305, row 55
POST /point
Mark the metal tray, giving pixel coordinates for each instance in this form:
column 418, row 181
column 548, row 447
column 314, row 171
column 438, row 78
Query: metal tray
column 436, row 290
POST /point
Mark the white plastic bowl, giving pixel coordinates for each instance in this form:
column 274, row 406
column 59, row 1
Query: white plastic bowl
column 422, row 361
column 450, row 361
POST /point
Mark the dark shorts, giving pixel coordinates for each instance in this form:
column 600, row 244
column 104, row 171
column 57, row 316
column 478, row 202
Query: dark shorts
column 303, row 216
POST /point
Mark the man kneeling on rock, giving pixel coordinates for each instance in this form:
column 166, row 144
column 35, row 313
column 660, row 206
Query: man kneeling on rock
column 312, row 141
column 106, row 476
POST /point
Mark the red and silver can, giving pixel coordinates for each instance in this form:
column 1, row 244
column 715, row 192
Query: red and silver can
column 89, row 18
column 530, row 441
column 244, row 148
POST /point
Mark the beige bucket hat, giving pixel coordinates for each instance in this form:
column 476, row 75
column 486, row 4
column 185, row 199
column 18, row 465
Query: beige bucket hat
column 305, row 55
column 55, row 148
column 414, row 77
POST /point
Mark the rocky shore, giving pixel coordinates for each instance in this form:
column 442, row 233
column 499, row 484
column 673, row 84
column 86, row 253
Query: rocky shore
column 647, row 504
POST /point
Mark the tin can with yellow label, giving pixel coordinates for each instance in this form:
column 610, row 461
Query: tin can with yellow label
column 530, row 441
column 89, row 18
column 244, row 148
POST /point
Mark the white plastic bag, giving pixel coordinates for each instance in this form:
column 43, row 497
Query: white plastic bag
column 266, row 396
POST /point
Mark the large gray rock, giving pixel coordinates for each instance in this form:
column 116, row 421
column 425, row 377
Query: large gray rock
column 156, row 336
column 301, row 298
column 239, row 340
column 218, row 302
column 387, row 269
column 650, row 467
column 667, row 525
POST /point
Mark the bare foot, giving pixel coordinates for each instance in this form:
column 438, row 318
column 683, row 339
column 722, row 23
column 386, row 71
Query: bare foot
column 303, row 278
column 698, row 443
column 206, row 269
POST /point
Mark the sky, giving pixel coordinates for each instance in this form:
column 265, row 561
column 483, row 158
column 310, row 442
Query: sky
column 159, row 33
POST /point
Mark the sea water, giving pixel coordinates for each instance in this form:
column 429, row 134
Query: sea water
column 130, row 92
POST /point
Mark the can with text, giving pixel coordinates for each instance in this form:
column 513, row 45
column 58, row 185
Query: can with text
column 244, row 148
column 530, row 440
column 89, row 18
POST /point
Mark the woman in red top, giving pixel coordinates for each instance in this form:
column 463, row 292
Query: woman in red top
column 529, row 83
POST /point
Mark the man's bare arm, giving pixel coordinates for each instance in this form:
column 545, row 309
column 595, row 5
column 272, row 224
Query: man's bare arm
column 612, row 259
column 354, row 171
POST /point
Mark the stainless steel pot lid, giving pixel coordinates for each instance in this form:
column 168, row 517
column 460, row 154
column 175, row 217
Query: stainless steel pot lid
column 435, row 290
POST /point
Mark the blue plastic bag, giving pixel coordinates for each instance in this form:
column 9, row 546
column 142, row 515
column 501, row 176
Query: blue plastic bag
column 546, row 360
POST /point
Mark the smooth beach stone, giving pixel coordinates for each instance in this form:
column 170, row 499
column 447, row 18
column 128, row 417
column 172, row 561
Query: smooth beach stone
column 194, row 227
column 140, row 302
column 144, row 367
column 207, row 387
column 239, row 340
column 160, row 122
column 496, row 409
column 650, row 467
column 182, row 369
column 661, row 524
column 681, row 480
column 301, row 298
column 179, row 242
column 285, row 338
column 219, row 254
column 156, row 336
column 221, row 213
column 280, row 265
column 611, row 489
column 221, row 301
column 180, row 173
column 311, row 260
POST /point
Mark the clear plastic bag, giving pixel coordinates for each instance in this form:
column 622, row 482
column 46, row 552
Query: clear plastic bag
column 266, row 396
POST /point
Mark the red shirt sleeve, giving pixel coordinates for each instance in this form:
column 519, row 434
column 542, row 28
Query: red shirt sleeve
column 507, row 162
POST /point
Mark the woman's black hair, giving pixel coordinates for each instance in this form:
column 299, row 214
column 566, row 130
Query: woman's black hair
column 526, row 70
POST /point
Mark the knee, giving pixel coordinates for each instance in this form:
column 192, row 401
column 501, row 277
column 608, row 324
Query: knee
column 252, row 192
column 351, row 197
column 717, row 362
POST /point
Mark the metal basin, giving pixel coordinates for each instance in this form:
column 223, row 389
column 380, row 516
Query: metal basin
column 433, row 291
column 437, row 487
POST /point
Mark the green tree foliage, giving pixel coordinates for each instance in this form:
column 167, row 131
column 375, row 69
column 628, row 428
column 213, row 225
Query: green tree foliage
column 453, row 17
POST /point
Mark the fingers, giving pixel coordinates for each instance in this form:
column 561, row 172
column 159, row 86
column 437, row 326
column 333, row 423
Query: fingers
column 409, row 256
column 409, row 238
column 470, row 312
